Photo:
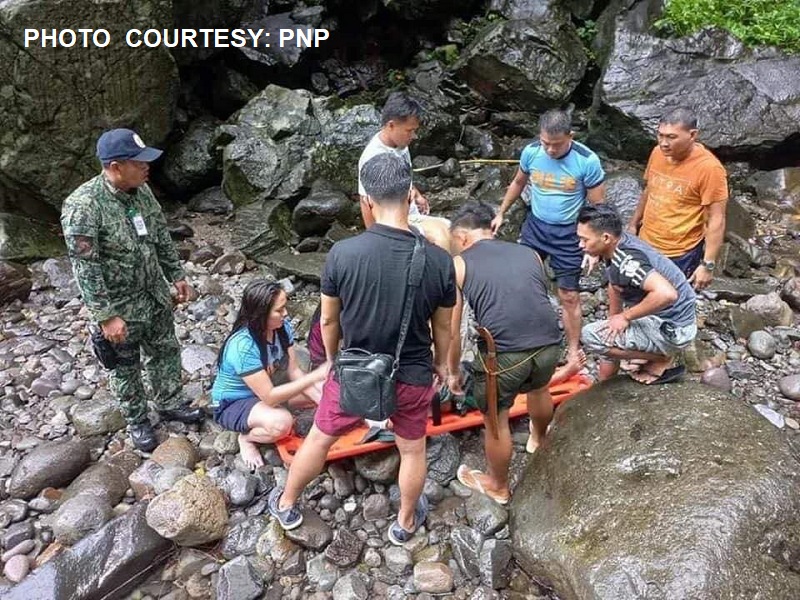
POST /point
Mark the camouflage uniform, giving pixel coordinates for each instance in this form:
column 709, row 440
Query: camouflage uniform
column 121, row 273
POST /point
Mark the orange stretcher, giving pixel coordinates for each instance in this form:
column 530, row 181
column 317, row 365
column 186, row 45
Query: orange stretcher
column 348, row 445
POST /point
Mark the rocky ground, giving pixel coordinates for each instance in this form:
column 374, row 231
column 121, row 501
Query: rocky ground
column 53, row 390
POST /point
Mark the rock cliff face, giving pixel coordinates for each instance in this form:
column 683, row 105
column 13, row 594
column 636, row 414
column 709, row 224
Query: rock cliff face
column 747, row 101
column 684, row 493
column 55, row 102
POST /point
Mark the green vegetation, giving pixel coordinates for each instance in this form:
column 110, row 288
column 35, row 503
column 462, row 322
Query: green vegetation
column 587, row 32
column 754, row 22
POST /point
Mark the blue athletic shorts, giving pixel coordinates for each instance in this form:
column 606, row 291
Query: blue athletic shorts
column 560, row 244
column 232, row 414
column 689, row 262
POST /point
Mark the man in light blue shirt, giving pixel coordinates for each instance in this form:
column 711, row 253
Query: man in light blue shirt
column 562, row 174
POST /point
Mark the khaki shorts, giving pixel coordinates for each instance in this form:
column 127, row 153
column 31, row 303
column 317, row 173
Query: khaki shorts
column 518, row 373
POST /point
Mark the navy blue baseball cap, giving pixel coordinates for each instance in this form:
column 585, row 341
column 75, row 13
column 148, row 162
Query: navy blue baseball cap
column 124, row 144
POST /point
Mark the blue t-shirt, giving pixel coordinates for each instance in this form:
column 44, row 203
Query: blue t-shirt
column 241, row 358
column 558, row 185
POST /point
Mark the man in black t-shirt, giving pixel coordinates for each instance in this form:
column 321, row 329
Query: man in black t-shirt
column 363, row 289
column 506, row 286
column 651, row 306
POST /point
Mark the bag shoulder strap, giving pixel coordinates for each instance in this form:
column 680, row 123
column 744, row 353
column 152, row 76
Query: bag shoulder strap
column 414, row 280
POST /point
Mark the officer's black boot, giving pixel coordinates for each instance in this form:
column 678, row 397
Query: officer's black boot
column 184, row 414
column 143, row 436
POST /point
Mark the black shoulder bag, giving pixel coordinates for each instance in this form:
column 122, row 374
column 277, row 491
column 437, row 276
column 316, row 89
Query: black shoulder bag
column 366, row 379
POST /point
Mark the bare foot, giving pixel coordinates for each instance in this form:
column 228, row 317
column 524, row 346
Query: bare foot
column 250, row 453
column 573, row 366
column 651, row 371
column 533, row 444
column 631, row 366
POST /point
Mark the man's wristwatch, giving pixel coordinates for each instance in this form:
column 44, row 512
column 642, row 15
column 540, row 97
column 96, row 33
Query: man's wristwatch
column 709, row 265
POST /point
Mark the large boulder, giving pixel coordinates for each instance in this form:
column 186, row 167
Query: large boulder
column 191, row 163
column 50, row 465
column 192, row 513
column 747, row 100
column 262, row 228
column 525, row 63
column 24, row 239
column 315, row 213
column 55, row 102
column 15, row 282
column 108, row 563
column 687, row 493
column 266, row 146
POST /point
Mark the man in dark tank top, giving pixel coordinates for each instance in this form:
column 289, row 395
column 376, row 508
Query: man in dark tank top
column 505, row 285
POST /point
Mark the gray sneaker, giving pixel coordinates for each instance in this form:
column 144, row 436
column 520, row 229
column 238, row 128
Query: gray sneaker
column 289, row 518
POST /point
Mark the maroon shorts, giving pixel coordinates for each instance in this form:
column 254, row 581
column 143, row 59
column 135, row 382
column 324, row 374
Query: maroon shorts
column 409, row 420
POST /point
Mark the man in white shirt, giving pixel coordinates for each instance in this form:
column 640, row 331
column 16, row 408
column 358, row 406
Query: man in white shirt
column 400, row 120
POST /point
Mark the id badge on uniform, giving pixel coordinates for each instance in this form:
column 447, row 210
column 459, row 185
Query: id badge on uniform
column 138, row 224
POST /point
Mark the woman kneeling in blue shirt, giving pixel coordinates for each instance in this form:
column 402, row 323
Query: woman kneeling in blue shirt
column 260, row 344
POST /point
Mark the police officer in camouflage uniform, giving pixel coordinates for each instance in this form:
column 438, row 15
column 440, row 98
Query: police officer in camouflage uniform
column 123, row 257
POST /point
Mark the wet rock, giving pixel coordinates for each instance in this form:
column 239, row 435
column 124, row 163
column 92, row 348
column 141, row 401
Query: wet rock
column 242, row 538
column 315, row 213
column 97, row 416
column 643, row 493
column 398, row 560
column 109, row 562
column 195, row 357
column 717, row 377
column 345, row 550
column 739, row 370
column 743, row 322
column 143, row 479
column 226, row 442
column 313, row 534
column 190, row 514
column 791, row 293
column 790, row 387
column 104, row 480
column 380, row 467
column 190, row 165
column 433, row 577
column 176, row 451
column 262, row 229
column 240, row 488
column 13, row 511
column 771, row 309
column 230, row 263
column 321, row 573
column 525, row 63
column 729, row 77
column 443, row 456
column 15, row 282
column 213, row 200
column 466, row 545
column 167, row 478
column 54, row 464
column 736, row 290
column 305, row 267
column 17, row 568
column 79, row 516
column 350, row 587
column 494, row 562
column 238, row 580
column 761, row 345
column 16, row 533
column 486, row 515
column 22, row 548
column 376, row 506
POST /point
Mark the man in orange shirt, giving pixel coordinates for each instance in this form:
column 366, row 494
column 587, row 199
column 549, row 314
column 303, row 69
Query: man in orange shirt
column 681, row 212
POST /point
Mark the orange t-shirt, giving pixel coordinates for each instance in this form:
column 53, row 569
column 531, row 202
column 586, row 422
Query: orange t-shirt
column 677, row 194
